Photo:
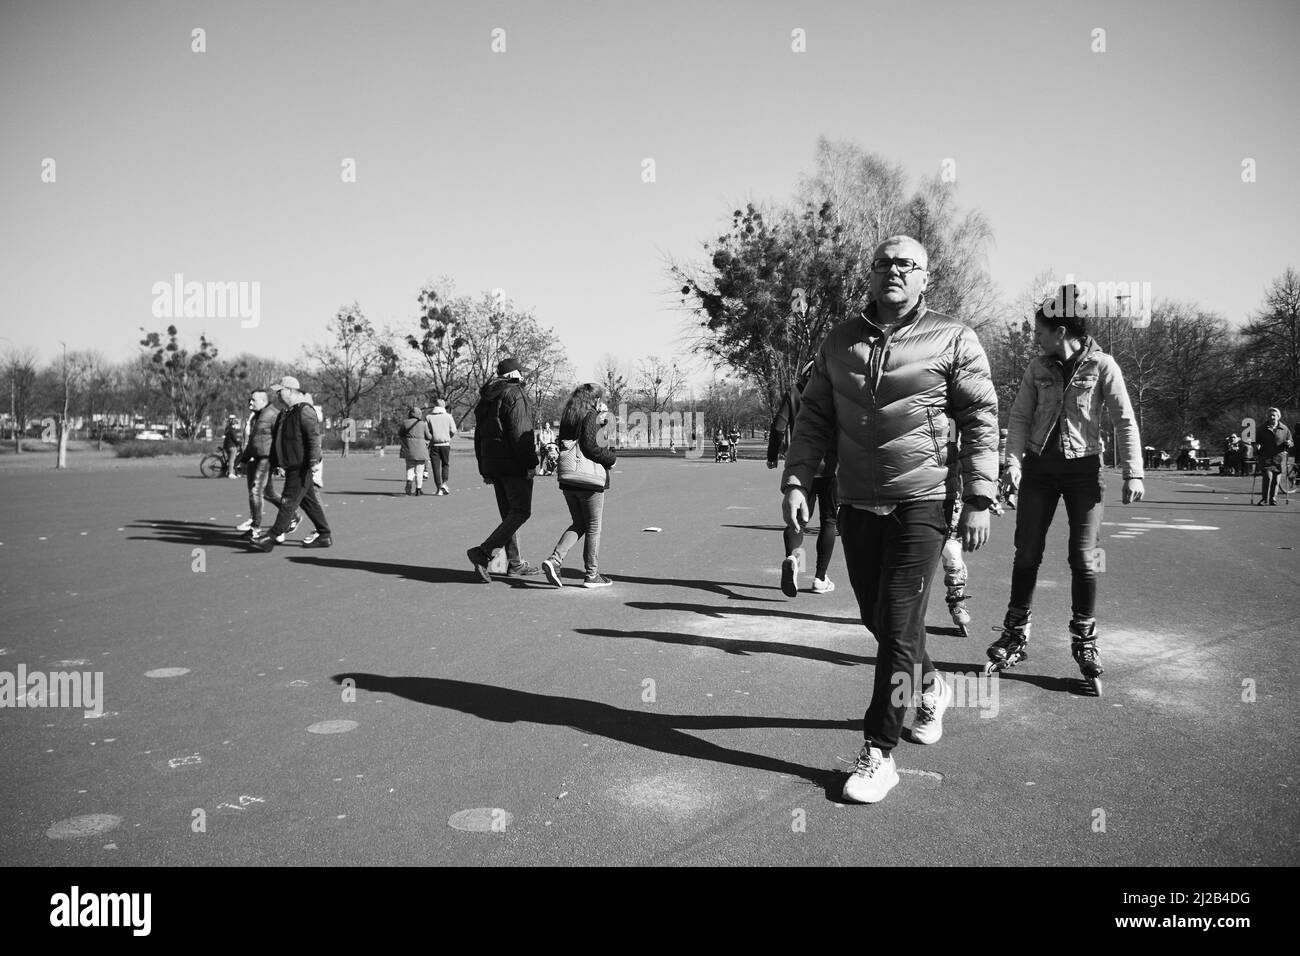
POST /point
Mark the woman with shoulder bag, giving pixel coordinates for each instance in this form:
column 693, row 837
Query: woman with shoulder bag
column 583, row 476
column 415, row 437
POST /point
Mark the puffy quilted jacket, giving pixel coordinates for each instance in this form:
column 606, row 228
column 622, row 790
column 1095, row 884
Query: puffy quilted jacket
column 260, row 426
column 880, row 402
column 503, row 430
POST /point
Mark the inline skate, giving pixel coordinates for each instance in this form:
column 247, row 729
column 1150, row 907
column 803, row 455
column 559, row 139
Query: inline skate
column 1009, row 649
column 954, row 579
column 1083, row 645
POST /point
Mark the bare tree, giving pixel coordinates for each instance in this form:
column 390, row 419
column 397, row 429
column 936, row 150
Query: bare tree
column 22, row 378
column 659, row 382
column 1273, row 340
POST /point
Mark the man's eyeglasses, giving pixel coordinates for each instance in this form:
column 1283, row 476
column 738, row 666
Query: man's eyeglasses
column 905, row 266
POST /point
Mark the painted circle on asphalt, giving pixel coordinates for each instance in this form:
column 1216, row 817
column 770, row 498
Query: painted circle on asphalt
column 92, row 824
column 332, row 727
column 481, row 820
column 167, row 672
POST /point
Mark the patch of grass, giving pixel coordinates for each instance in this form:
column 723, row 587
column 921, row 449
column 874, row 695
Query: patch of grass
column 155, row 449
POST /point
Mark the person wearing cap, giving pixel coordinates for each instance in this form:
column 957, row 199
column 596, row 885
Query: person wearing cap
column 779, row 437
column 880, row 386
column 296, row 448
column 1274, row 441
column 230, row 445
column 414, row 438
column 442, row 429
column 506, row 450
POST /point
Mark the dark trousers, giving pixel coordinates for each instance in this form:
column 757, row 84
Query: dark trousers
column 1080, row 482
column 260, row 488
column 585, row 510
column 515, row 505
column 891, row 561
column 299, row 491
column 440, row 456
column 823, row 492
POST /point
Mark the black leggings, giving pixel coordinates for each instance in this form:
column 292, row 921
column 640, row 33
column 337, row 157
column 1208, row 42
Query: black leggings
column 825, row 493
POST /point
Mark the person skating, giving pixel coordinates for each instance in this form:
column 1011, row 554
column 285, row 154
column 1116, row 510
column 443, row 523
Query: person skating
column 296, row 448
column 822, row 493
column 1054, row 447
column 584, row 424
column 880, row 385
column 414, row 437
column 506, row 450
column 442, row 428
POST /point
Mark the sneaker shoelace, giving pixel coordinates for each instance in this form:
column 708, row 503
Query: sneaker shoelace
column 867, row 763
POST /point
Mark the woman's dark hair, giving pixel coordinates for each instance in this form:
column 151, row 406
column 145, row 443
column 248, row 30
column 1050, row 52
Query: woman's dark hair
column 580, row 403
column 1063, row 311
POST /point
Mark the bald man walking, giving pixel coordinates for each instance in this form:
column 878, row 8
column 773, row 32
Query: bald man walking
column 879, row 397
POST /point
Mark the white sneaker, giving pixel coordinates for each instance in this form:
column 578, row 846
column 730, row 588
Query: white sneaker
column 552, row 572
column 244, row 525
column 927, row 728
column 822, row 586
column 873, row 776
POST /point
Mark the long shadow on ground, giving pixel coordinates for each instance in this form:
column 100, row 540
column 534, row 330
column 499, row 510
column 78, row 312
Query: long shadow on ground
column 171, row 531
column 711, row 611
column 734, row 646
column 660, row 732
column 722, row 588
column 412, row 572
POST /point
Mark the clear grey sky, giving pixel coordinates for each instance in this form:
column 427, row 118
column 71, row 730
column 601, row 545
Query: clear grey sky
column 522, row 170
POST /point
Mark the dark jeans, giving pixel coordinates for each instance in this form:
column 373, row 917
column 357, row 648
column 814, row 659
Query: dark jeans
column 515, row 505
column 1080, row 482
column 260, row 488
column 823, row 492
column 440, row 455
column 299, row 491
column 585, row 509
column 891, row 560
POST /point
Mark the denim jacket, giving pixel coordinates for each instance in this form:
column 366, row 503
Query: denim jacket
column 1097, row 381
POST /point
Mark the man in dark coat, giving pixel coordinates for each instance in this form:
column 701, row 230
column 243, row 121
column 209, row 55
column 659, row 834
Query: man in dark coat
column 296, row 448
column 506, row 449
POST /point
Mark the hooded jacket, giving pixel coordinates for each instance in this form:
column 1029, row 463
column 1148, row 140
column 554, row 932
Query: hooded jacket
column 414, row 439
column 503, row 430
column 441, row 425
column 879, row 403
column 1046, row 397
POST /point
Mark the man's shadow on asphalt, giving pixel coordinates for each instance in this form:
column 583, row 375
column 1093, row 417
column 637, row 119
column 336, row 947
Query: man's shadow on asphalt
column 660, row 732
column 412, row 572
column 171, row 531
column 743, row 648
column 719, row 612
column 721, row 588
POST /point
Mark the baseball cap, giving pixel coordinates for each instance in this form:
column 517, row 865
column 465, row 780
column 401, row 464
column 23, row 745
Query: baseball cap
column 506, row 366
column 287, row 382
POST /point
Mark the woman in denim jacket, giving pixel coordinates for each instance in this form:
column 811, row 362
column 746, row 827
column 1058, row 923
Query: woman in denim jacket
column 1054, row 446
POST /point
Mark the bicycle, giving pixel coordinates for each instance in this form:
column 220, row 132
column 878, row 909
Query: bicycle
column 213, row 464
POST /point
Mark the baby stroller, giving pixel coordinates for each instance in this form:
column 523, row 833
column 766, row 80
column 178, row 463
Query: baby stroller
column 550, row 458
column 721, row 450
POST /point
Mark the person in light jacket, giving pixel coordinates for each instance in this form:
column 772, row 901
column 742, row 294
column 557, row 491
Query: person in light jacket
column 1054, row 446
column 442, row 429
